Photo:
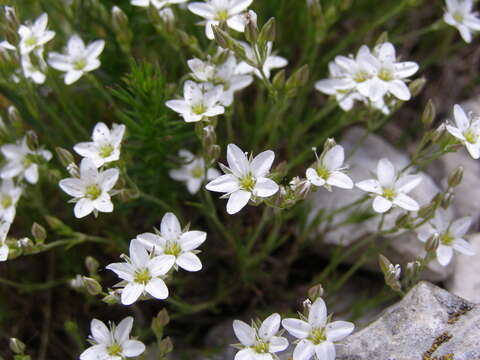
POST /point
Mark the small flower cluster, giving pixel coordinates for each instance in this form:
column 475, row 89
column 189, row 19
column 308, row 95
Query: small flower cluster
column 375, row 78
column 153, row 255
column 315, row 331
column 91, row 185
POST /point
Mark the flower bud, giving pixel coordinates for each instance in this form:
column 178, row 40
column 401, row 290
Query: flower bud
column 166, row 346
column 65, row 156
column 91, row 264
column 39, row 233
column 315, row 292
column 416, row 86
column 221, row 37
column 93, row 286
column 382, row 39
column 432, row 243
column 251, row 29
column 14, row 115
column 32, row 140
column 384, row 263
column 279, row 80
column 428, row 114
column 121, row 28
column 427, row 211
column 268, row 32
column 455, row 177
column 17, row 346
column 112, row 298
column 402, row 221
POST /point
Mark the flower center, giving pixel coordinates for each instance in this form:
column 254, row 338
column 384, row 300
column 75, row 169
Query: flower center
column 106, row 150
column 261, row 347
column 222, row 15
column 199, row 109
column 93, row 191
column 385, row 74
column 389, row 194
column 447, row 238
column 6, row 201
column 248, row 183
column 361, row 76
column 142, row 276
column 471, row 136
column 197, row 173
column 31, row 40
column 80, row 64
column 317, row 336
column 114, row 350
column 323, row 172
column 458, row 16
column 172, row 248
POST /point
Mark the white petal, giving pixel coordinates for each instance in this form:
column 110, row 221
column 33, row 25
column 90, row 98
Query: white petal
column 82, row 208
column 244, row 333
column 370, row 185
column 72, row 75
column 179, row 106
column 94, row 49
column 407, row 183
column 170, row 226
column 473, row 150
column 334, row 158
column 406, row 202
column 88, row 170
column 461, row 119
column 131, row 293
column 237, row 22
column 463, row 247
column 31, row 174
column 269, row 327
column 99, row 331
column 237, row 160
column 340, row 180
column 265, row 187
column 405, row 69
column 277, row 344
column 317, row 315
column 189, row 261
column 4, row 250
column 312, row 176
column 73, row 187
column 245, row 354
column 138, row 254
column 193, row 185
column 226, row 183
column 192, row 240
column 237, row 201
column 237, row 6
column 381, row 205
column 325, row 351
column 132, row 348
column 123, row 329
column 160, row 265
column 399, row 89
column 444, row 255
column 124, row 270
column 103, row 204
column 157, row 288
column 94, row 352
column 201, row 9
column 460, row 226
column 304, row 350
column 338, row 330
column 296, row 327
column 262, row 163
column 385, row 172
column 59, row 62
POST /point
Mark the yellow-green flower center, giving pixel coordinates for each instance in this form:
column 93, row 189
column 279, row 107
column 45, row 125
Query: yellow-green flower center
column 93, row 191
column 222, row 15
column 470, row 136
column 261, row 347
column 199, row 109
column 7, row 201
column 31, row 41
column 142, row 276
column 385, row 74
column 80, row 64
column 106, row 150
column 361, row 76
column 317, row 336
column 114, row 350
column 248, row 183
column 458, row 16
column 447, row 238
column 197, row 172
column 389, row 194
column 323, row 172
column 172, row 248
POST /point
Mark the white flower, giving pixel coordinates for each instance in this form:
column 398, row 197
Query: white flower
column 200, row 101
column 142, row 273
column 34, row 36
column 173, row 242
column 113, row 343
column 261, row 343
column 192, row 173
column 271, row 62
column 224, row 74
column 90, row 191
column 158, row 4
column 328, row 170
column 221, row 11
column 9, row 196
column 450, row 234
column 78, row 59
column 4, row 250
column 467, row 130
column 460, row 15
column 167, row 15
column 389, row 189
column 105, row 146
column 22, row 161
column 316, row 334
column 34, row 71
column 244, row 178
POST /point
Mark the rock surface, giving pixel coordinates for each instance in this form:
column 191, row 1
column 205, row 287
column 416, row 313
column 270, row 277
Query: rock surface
column 465, row 281
column 409, row 330
column 366, row 153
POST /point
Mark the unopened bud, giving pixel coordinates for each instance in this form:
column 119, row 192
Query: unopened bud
column 251, row 29
column 13, row 114
column 17, row 346
column 93, row 287
column 213, row 152
column 268, row 32
column 416, row 86
column 32, row 140
column 121, row 28
column 427, row 211
column 447, row 200
column 163, row 317
column 455, row 177
column 402, row 221
column 428, row 113
column 221, row 37
column 382, row 39
column 432, row 243
column 112, row 298
column 119, row 18
column 39, row 233
column 166, row 346
column 315, row 292
column 298, row 79
column 384, row 263
column 91, row 264
column 279, row 80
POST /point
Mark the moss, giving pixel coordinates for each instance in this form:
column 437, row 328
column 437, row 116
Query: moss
column 464, row 308
column 439, row 341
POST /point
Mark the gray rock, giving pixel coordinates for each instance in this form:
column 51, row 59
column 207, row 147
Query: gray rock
column 409, row 330
column 363, row 153
column 465, row 281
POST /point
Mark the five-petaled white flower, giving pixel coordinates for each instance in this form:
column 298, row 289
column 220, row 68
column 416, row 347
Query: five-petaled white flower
column 22, row 161
column 221, row 11
column 271, row 61
column 78, row 59
column 259, row 343
column 192, row 172
column 113, row 343
column 467, row 130
column 244, row 178
column 158, row 4
column 450, row 234
column 9, row 195
column 460, row 14
column 328, row 170
column 91, row 190
column 4, row 250
column 141, row 273
column 105, row 146
column 225, row 74
column 391, row 189
column 174, row 243
column 200, row 101
column 317, row 335
column 34, row 36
